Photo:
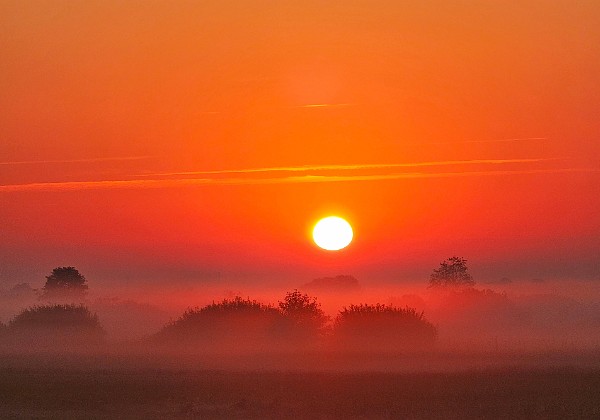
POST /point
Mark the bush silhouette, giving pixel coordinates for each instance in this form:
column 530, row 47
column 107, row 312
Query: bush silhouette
column 235, row 321
column 54, row 323
column 382, row 327
column 242, row 324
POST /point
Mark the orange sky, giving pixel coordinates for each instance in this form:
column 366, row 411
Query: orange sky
column 160, row 141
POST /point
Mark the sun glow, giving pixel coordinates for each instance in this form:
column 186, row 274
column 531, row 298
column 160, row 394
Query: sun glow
column 332, row 233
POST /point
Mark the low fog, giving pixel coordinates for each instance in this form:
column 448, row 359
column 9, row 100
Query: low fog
column 502, row 322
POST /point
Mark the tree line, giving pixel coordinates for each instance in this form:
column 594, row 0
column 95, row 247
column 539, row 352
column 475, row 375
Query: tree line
column 297, row 319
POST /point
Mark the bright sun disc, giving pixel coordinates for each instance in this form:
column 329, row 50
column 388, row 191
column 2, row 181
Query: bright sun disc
column 332, row 233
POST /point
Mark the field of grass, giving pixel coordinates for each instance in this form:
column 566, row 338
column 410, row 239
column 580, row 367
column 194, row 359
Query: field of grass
column 70, row 392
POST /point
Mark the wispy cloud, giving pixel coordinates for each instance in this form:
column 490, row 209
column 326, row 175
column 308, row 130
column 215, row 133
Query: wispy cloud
column 322, row 105
column 34, row 162
column 170, row 183
column 311, row 168
column 492, row 140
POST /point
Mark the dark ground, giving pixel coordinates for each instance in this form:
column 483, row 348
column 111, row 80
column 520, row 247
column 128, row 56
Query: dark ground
column 118, row 392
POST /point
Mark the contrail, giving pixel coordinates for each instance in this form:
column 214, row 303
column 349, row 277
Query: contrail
column 33, row 162
column 308, row 168
column 170, row 183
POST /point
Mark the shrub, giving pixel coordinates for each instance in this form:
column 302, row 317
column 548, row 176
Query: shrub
column 235, row 320
column 56, row 322
column 382, row 327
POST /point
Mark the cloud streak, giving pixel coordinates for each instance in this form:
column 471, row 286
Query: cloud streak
column 171, row 183
column 322, row 105
column 309, row 168
column 492, row 140
column 86, row 160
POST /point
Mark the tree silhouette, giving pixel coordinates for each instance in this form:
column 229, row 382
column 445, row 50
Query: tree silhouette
column 65, row 282
column 303, row 313
column 452, row 273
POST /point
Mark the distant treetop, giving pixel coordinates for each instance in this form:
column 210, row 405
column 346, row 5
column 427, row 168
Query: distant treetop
column 452, row 272
column 65, row 282
column 340, row 283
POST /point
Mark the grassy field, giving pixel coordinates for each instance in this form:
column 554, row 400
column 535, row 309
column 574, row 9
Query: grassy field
column 67, row 392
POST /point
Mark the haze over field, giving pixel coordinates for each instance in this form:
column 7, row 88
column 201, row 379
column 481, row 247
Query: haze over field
column 505, row 318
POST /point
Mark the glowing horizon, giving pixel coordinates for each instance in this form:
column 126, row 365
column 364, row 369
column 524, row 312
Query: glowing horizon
column 206, row 138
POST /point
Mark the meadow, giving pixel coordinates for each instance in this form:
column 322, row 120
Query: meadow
column 172, row 393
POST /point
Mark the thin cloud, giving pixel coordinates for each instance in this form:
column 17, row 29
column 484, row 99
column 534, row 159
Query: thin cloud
column 170, row 183
column 34, row 162
column 492, row 140
column 415, row 175
column 309, row 168
column 322, row 105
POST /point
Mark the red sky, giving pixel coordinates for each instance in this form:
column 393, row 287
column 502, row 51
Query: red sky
column 165, row 141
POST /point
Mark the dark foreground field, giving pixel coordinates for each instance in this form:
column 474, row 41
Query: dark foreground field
column 68, row 392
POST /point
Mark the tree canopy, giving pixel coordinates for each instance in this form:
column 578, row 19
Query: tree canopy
column 65, row 282
column 452, row 272
column 304, row 312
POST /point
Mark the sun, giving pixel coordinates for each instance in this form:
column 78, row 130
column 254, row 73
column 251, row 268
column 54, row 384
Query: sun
column 332, row 233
